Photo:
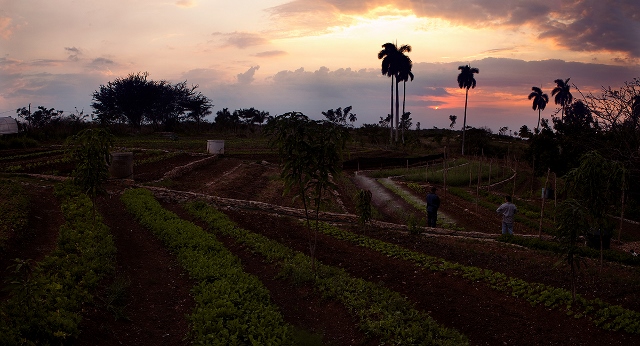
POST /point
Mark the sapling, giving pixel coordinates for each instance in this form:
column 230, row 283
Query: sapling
column 90, row 149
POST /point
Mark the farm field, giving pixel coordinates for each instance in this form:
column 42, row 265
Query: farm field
column 459, row 276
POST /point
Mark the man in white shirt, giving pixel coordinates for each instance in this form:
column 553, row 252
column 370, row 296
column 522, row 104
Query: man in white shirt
column 508, row 210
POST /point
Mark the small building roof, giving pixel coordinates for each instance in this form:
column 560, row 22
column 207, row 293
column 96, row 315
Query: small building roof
column 8, row 125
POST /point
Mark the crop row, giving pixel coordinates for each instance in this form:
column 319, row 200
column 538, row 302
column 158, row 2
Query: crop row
column 31, row 155
column 539, row 244
column 381, row 312
column 232, row 307
column 47, row 298
column 604, row 315
column 14, row 207
column 157, row 157
column 30, row 165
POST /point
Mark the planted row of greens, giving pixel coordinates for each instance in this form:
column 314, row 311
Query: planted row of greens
column 156, row 158
column 539, row 244
column 31, row 155
column 47, row 298
column 31, row 165
column 382, row 313
column 604, row 315
column 232, row 307
column 14, row 209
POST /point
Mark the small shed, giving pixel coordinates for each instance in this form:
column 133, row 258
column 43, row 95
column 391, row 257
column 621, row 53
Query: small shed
column 8, row 125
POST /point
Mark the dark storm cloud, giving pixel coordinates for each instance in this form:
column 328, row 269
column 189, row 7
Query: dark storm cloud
column 597, row 25
column 587, row 25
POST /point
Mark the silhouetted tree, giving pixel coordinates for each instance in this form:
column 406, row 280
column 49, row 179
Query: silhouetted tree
column 405, row 122
column 40, row 118
column 453, row 119
column 226, row 120
column 525, row 132
column 562, row 93
column 251, row 116
column 466, row 81
column 386, row 122
column 340, row 116
column 404, row 74
column 392, row 61
column 503, row 131
column 540, row 101
column 138, row 100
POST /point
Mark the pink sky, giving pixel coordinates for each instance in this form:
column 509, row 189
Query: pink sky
column 313, row 55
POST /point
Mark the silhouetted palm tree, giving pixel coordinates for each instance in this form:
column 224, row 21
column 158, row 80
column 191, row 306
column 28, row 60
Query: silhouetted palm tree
column 467, row 81
column 540, row 101
column 405, row 74
column 562, row 94
column 391, row 57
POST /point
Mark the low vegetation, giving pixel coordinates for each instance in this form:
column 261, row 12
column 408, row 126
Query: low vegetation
column 232, row 307
column 382, row 313
column 47, row 298
column 14, row 210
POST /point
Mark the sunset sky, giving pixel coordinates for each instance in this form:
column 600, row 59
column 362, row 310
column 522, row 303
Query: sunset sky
column 313, row 55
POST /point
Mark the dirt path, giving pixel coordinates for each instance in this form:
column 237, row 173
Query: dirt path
column 388, row 202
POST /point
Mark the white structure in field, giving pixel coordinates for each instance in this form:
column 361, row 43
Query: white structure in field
column 8, row 125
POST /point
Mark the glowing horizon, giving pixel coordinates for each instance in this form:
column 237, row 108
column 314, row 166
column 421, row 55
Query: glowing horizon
column 315, row 55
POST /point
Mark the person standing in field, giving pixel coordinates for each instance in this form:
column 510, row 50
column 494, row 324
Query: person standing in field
column 507, row 210
column 433, row 203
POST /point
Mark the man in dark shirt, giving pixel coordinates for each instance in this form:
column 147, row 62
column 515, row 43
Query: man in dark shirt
column 433, row 203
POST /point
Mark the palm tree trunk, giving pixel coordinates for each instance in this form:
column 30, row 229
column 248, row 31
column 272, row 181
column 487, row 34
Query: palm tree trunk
column 464, row 122
column 538, row 127
column 404, row 98
column 397, row 108
column 391, row 115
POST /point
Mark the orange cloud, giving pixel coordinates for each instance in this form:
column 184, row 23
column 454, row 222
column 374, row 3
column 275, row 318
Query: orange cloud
column 6, row 29
column 186, row 3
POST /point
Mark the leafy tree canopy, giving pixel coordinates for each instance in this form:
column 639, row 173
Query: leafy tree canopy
column 138, row 100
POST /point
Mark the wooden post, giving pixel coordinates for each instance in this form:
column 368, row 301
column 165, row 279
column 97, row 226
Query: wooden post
column 426, row 173
column 621, row 210
column 555, row 196
column 533, row 174
column 542, row 208
column 444, row 172
column 470, row 174
column 489, row 185
column 515, row 176
column 478, row 186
